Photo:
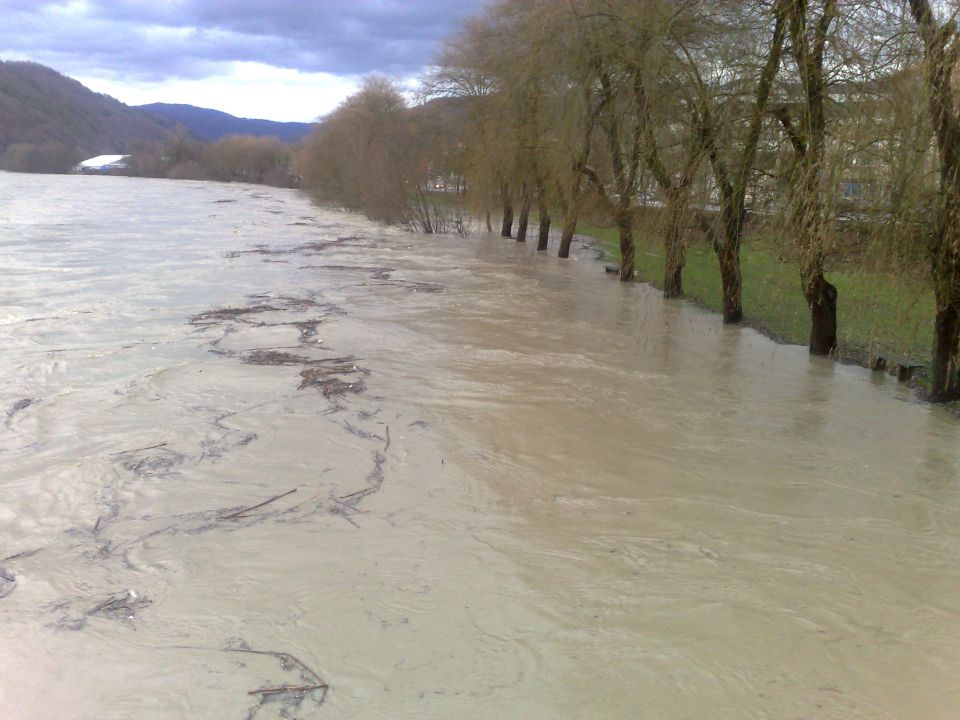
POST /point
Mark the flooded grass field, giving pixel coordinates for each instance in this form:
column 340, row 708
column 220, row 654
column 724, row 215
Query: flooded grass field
column 260, row 460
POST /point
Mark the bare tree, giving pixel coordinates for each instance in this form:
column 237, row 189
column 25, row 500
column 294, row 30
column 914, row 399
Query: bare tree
column 807, row 138
column 941, row 50
column 370, row 155
column 731, row 136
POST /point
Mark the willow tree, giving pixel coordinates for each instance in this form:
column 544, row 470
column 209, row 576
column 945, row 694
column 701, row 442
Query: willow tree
column 673, row 155
column 370, row 156
column 524, row 139
column 582, row 109
column 809, row 32
column 572, row 104
column 464, row 69
column 521, row 76
column 643, row 45
column 617, row 55
column 941, row 51
column 734, row 74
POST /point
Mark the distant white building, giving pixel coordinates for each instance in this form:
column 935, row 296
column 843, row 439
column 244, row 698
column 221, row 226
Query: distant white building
column 104, row 164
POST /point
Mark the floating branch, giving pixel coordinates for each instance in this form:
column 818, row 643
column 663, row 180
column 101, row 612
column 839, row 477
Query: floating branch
column 239, row 513
column 149, row 447
column 290, row 694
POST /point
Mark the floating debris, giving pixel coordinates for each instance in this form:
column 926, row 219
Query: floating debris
column 119, row 606
column 20, row 405
column 275, row 357
column 153, row 464
column 122, row 606
column 212, row 317
column 289, row 695
column 424, row 287
column 307, row 328
column 8, row 581
column 244, row 511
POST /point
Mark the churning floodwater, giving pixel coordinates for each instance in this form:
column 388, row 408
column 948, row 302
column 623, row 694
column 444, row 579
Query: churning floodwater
column 261, row 460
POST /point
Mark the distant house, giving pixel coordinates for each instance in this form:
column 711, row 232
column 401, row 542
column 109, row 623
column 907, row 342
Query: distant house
column 104, row 164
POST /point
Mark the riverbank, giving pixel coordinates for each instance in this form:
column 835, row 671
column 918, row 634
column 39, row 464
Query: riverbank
column 878, row 311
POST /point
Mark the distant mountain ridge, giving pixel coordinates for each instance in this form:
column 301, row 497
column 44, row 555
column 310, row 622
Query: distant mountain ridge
column 48, row 121
column 213, row 125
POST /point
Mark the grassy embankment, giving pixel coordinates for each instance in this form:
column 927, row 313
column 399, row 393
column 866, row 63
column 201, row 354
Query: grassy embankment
column 877, row 310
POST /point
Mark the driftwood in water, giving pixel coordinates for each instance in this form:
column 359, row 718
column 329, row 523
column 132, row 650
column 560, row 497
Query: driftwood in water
column 244, row 511
column 291, row 695
column 8, row 581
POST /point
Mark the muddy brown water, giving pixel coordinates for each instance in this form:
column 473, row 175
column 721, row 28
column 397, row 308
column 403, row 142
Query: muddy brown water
column 250, row 448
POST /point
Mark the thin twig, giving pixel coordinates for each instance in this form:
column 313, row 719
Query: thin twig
column 289, row 689
column 20, row 555
column 357, row 494
column 257, row 506
column 151, row 447
column 338, row 501
column 342, row 514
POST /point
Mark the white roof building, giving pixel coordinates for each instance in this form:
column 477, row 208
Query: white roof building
column 104, row 163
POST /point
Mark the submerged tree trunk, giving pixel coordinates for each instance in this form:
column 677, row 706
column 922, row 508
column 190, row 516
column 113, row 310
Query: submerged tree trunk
column 524, row 218
column 807, row 198
column 489, row 224
column 944, row 250
column 566, row 235
column 726, row 244
column 543, row 234
column 731, row 283
column 506, row 227
column 732, row 180
column 627, row 247
column 727, row 250
column 946, row 346
column 675, row 248
column 810, row 229
column 941, row 45
column 822, row 300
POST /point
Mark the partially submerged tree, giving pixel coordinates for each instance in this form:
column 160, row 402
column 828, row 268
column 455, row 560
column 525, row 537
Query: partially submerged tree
column 731, row 136
column 617, row 55
column 245, row 158
column 371, row 156
column 807, row 135
column 941, row 52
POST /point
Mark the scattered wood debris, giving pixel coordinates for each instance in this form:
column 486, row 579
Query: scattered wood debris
column 217, row 315
column 290, row 695
column 119, row 606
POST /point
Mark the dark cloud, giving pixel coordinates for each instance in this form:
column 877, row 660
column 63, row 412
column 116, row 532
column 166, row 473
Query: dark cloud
column 146, row 40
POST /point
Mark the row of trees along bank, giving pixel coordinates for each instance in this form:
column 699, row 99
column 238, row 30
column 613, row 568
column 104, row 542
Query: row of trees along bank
column 831, row 126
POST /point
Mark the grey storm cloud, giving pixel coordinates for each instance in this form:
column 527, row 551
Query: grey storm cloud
column 153, row 40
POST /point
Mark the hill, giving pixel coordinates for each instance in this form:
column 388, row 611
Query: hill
column 49, row 121
column 213, row 125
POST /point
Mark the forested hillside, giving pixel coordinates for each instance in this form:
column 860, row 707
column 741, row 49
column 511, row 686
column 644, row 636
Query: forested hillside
column 48, row 121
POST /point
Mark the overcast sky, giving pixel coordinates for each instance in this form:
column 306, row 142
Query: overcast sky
column 274, row 59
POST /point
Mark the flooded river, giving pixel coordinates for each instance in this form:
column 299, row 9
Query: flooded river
column 259, row 460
